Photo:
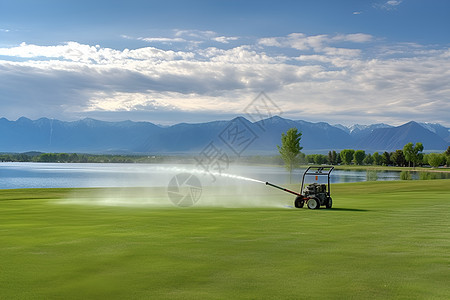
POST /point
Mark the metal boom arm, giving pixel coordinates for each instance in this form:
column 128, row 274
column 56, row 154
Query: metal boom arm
column 283, row 189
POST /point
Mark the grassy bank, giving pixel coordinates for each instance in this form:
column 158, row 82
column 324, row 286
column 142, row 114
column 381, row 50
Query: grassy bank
column 382, row 240
column 388, row 168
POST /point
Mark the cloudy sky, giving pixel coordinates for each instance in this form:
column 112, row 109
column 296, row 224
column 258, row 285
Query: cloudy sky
column 170, row 61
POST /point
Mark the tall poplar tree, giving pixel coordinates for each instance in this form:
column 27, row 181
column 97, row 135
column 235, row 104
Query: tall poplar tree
column 290, row 149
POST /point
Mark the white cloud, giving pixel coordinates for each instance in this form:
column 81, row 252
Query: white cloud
column 354, row 37
column 198, row 34
column 388, row 5
column 409, row 82
column 318, row 43
column 225, row 39
column 122, row 101
column 270, row 42
column 162, row 40
column 76, row 52
column 394, row 2
column 201, row 36
column 341, row 51
column 188, row 37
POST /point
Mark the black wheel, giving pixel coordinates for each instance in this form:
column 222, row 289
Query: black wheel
column 329, row 203
column 313, row 203
column 299, row 202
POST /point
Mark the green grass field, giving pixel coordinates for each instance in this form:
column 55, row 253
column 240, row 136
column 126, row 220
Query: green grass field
column 382, row 240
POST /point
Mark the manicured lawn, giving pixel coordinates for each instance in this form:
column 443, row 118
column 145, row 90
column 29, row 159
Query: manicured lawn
column 382, row 240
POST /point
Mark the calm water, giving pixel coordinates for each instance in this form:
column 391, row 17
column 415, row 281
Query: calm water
column 52, row 175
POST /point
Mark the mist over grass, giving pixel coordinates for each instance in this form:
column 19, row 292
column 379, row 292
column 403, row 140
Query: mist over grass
column 217, row 189
column 239, row 195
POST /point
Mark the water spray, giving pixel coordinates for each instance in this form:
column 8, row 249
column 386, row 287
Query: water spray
column 209, row 172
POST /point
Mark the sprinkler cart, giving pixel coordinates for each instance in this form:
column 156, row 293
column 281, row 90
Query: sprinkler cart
column 314, row 194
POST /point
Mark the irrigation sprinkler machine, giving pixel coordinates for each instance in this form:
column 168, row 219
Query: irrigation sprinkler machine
column 315, row 194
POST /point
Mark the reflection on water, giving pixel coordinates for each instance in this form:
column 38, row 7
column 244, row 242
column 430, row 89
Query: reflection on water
column 405, row 175
column 371, row 175
column 50, row 175
column 408, row 175
column 364, row 175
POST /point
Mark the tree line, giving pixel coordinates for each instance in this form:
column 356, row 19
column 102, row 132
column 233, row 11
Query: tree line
column 78, row 158
column 410, row 156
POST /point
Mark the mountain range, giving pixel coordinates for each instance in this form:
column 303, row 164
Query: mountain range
column 239, row 136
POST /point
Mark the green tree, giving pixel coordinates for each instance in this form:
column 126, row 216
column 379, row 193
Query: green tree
column 359, row 156
column 398, row 158
column 435, row 159
column 309, row 159
column 83, row 158
column 302, row 158
column 62, row 157
column 290, row 149
column 413, row 153
column 47, row 157
column 74, row 158
column 6, row 157
column 347, row 156
column 21, row 157
column 332, row 157
column 318, row 159
column 447, row 154
column 368, row 160
column 376, row 159
column 386, row 159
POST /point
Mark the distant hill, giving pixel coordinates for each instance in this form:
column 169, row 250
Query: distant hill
column 315, row 136
column 87, row 135
column 238, row 135
column 440, row 130
column 396, row 137
column 360, row 131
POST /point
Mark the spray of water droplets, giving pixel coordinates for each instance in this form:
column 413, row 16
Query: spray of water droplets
column 213, row 173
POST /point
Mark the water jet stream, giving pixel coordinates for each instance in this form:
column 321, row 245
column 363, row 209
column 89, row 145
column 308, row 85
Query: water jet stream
column 213, row 173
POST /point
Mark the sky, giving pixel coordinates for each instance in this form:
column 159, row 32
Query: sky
column 167, row 62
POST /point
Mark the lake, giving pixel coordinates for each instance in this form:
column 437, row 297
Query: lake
column 55, row 175
column 59, row 175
